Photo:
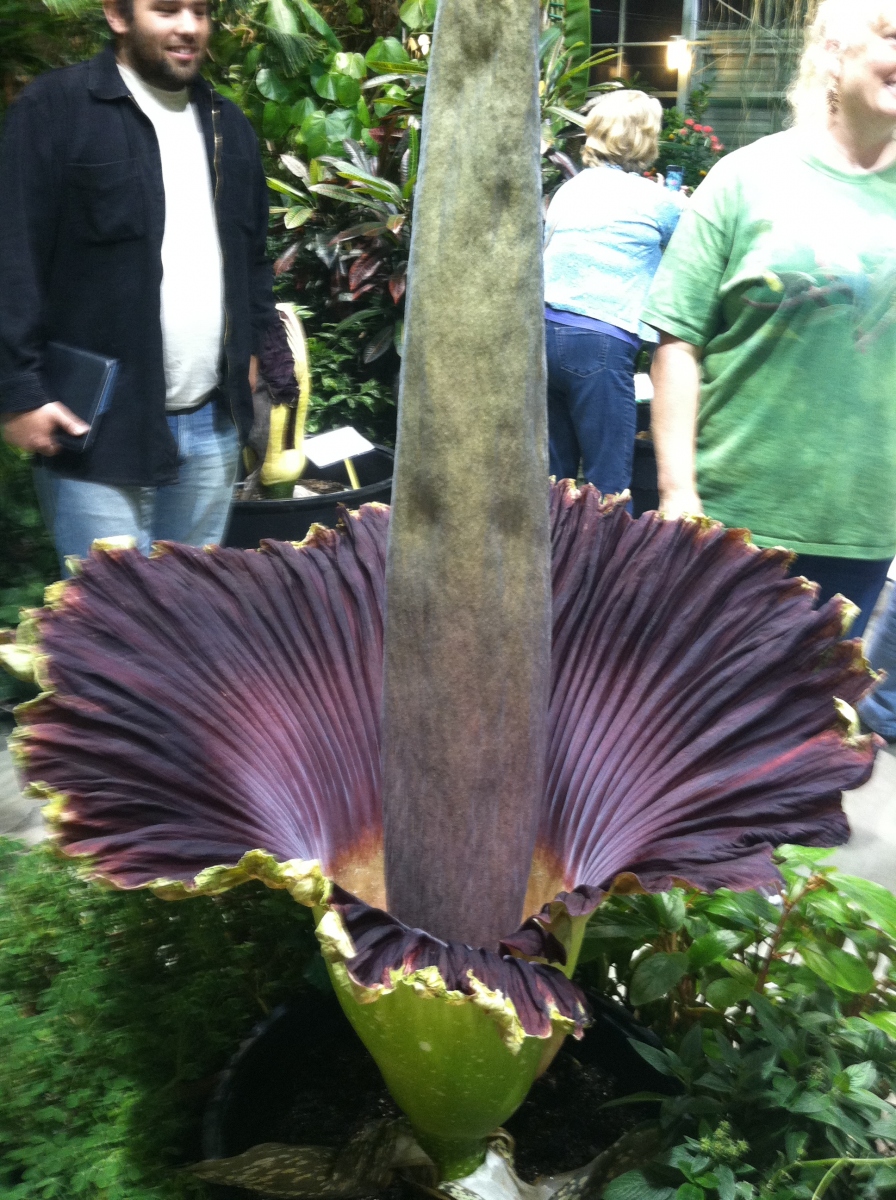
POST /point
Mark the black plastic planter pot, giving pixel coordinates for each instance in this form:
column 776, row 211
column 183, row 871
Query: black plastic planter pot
column 306, row 1063
column 290, row 520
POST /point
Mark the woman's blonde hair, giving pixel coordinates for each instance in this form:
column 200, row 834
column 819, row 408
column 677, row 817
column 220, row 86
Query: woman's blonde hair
column 623, row 128
column 838, row 27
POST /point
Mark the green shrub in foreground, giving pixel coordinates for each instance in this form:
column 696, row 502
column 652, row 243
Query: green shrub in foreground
column 116, row 1011
column 778, row 1018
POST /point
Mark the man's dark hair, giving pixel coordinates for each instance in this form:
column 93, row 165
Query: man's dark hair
column 125, row 9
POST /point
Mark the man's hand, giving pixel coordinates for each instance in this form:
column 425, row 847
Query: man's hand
column 681, row 504
column 676, row 396
column 253, row 372
column 33, row 431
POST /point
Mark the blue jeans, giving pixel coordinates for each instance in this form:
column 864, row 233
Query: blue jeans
column 591, row 406
column 193, row 510
column 858, row 579
column 878, row 710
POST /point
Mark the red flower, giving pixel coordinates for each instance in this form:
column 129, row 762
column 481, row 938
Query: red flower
column 698, row 129
column 689, row 121
column 707, row 129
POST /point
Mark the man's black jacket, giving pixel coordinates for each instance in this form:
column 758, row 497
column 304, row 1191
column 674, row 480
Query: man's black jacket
column 82, row 213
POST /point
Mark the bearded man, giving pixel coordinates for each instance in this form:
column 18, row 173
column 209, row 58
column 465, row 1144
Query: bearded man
column 133, row 218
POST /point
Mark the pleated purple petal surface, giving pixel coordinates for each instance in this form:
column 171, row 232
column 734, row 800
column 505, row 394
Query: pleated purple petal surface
column 210, row 702
column 692, row 722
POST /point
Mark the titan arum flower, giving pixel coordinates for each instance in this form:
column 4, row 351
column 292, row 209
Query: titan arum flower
column 452, row 733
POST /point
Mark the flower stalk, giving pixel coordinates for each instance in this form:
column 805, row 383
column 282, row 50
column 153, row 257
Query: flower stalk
column 467, row 641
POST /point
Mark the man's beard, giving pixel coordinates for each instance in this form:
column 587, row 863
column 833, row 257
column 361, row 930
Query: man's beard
column 151, row 65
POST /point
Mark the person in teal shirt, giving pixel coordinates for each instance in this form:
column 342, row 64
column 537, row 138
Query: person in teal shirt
column 605, row 234
column 776, row 303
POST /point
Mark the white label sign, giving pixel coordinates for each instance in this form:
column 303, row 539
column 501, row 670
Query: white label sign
column 643, row 386
column 335, row 446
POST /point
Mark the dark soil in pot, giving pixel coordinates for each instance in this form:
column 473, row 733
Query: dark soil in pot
column 303, row 1077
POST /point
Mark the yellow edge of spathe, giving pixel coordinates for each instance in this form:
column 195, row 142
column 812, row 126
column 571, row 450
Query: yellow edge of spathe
column 428, row 984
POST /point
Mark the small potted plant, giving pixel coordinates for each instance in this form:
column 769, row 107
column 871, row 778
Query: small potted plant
column 285, row 494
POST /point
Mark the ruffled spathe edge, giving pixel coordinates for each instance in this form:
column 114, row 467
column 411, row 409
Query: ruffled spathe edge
column 378, row 954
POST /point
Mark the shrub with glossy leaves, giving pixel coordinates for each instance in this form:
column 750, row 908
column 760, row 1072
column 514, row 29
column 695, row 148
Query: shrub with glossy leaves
column 779, row 1016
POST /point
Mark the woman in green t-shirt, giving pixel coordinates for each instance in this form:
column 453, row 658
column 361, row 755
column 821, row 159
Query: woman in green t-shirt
column 776, row 303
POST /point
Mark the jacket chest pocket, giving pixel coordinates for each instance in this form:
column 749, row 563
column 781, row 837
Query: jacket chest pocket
column 106, row 201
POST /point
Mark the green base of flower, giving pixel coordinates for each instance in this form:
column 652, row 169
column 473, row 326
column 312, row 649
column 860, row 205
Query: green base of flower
column 446, row 1065
column 279, row 491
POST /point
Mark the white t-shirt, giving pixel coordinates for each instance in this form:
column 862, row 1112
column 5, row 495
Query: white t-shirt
column 192, row 309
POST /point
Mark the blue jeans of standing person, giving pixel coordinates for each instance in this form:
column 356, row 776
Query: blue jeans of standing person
column 858, row 579
column 193, row 510
column 878, row 710
column 591, row 406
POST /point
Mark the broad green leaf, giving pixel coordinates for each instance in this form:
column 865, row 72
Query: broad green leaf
column 272, row 87
column 382, row 189
column 352, row 65
column 724, row 993
column 607, row 923
column 317, row 23
column 387, row 69
column 281, row 17
column 387, row 50
column 314, row 133
column 691, row 1049
column 296, row 217
column 662, row 1060
column 877, row 901
column 573, row 118
column 634, row 1185
column 347, row 196
column 670, row 909
column 656, row 976
column 861, row 1075
column 285, row 189
column 296, row 167
column 690, row 1191
column 883, row 1020
column 727, row 1183
column 745, row 909
column 713, row 946
column 276, row 120
column 301, row 109
column 577, row 33
column 340, row 124
column 738, row 970
column 418, row 14
column 341, row 88
column 838, row 968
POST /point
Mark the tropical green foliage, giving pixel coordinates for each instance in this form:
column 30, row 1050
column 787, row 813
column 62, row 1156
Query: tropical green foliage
column 34, row 37
column 779, row 1016
column 339, row 397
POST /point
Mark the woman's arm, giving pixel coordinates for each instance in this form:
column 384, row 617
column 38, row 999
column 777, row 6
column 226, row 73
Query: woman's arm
column 676, row 384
